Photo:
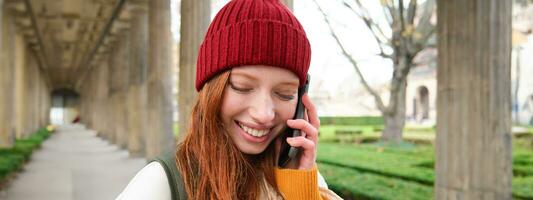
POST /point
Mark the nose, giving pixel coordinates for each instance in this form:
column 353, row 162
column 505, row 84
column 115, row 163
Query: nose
column 262, row 109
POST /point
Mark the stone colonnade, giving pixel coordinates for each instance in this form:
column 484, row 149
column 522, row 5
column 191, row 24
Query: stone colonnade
column 24, row 90
column 127, row 96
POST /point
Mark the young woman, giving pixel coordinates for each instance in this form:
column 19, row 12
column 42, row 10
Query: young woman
column 251, row 63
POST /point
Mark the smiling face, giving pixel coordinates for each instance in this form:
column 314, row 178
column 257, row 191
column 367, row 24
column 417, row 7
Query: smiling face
column 256, row 105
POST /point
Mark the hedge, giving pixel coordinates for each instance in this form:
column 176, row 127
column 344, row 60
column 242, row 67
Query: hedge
column 522, row 187
column 12, row 159
column 9, row 161
column 352, row 120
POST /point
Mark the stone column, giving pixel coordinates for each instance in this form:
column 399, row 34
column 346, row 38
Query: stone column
column 42, row 101
column 473, row 147
column 95, row 116
column 87, row 94
column 21, row 92
column 108, row 104
column 83, row 91
column 137, row 90
column 114, row 77
column 6, row 81
column 91, row 96
column 102, row 99
column 159, row 96
column 44, row 106
column 39, row 99
column 121, row 105
column 33, row 79
column 194, row 22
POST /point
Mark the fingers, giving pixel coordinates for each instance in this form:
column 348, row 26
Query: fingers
column 309, row 130
column 301, row 142
column 311, row 111
column 308, row 141
column 307, row 157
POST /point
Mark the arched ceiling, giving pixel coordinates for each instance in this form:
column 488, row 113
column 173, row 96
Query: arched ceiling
column 67, row 36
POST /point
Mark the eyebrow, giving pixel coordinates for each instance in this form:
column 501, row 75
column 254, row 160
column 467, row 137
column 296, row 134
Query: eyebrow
column 251, row 77
column 290, row 83
column 245, row 75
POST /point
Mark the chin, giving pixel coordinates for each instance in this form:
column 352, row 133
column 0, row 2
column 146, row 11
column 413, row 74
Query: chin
column 251, row 150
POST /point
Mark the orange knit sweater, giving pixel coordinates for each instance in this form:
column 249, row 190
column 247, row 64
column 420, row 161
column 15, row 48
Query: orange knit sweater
column 298, row 184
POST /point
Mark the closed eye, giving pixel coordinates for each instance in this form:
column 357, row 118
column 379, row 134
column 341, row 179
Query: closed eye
column 238, row 89
column 285, row 97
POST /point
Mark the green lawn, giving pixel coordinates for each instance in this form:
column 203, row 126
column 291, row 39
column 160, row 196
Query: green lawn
column 354, row 184
column 375, row 171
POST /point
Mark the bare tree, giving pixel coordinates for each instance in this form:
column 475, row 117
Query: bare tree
column 411, row 30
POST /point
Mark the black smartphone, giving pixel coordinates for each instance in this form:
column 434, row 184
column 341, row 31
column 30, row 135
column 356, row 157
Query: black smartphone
column 287, row 152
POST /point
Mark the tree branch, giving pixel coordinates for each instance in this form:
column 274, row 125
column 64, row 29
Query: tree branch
column 392, row 12
column 374, row 28
column 424, row 28
column 384, row 55
column 423, row 42
column 370, row 23
column 411, row 11
column 386, row 11
column 377, row 98
column 402, row 21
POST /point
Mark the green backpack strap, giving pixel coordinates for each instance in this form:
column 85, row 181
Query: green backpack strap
column 175, row 180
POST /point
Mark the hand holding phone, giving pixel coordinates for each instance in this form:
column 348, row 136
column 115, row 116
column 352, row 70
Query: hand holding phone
column 287, row 152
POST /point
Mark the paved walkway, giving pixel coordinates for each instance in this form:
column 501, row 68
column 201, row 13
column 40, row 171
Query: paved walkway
column 74, row 164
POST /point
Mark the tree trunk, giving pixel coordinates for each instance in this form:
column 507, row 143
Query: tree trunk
column 394, row 115
column 394, row 121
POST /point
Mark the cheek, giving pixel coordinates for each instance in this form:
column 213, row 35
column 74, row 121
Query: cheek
column 230, row 106
column 286, row 110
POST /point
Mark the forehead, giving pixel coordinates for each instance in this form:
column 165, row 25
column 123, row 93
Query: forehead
column 265, row 73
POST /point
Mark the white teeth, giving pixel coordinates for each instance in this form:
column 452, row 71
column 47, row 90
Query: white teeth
column 254, row 132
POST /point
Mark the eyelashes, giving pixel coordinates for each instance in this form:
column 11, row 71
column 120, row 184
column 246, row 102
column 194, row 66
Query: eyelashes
column 238, row 89
column 286, row 97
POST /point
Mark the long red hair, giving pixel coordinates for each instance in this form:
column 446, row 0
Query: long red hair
column 211, row 165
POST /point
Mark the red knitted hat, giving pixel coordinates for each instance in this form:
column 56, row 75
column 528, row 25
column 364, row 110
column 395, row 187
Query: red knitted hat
column 253, row 32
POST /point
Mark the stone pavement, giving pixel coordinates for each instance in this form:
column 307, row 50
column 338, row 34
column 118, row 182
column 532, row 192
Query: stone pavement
column 74, row 164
